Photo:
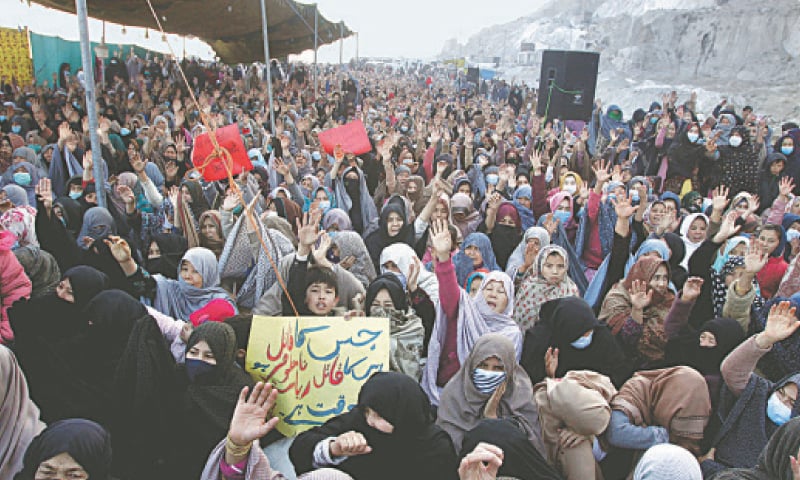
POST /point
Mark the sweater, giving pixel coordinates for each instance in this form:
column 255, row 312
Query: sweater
column 448, row 296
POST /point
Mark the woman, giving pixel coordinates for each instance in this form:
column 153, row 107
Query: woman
column 189, row 205
column 287, row 209
column 549, row 282
column 523, row 202
column 21, row 221
column 685, row 155
column 489, row 389
column 26, row 176
column 349, row 252
column 353, row 197
column 667, row 461
column 635, row 309
column 463, row 214
column 693, row 231
column 660, row 406
column 739, row 161
column 476, row 254
column 461, row 319
column 722, row 294
column 574, row 411
column 14, row 284
column 18, row 415
column 390, row 434
column 74, row 448
column 386, row 297
column 523, row 257
column 336, row 220
column 773, row 240
column 776, row 460
column 41, row 268
column 570, row 337
column 211, row 385
column 393, row 227
column 164, row 254
column 212, row 236
column 506, row 231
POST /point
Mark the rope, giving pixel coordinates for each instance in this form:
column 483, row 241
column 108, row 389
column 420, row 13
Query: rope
column 550, row 94
column 218, row 151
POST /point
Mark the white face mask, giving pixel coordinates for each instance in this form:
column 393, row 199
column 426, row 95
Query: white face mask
column 570, row 188
column 735, row 141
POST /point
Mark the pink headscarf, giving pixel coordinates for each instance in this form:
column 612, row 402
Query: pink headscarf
column 559, row 197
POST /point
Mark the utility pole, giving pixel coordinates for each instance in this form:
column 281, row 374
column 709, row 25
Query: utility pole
column 265, row 32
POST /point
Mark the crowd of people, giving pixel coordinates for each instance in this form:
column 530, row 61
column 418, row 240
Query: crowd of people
column 608, row 299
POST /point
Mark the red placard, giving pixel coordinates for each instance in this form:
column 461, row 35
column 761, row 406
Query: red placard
column 229, row 138
column 351, row 136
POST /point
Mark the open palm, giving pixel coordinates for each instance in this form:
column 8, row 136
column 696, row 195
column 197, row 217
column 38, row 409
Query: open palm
column 249, row 422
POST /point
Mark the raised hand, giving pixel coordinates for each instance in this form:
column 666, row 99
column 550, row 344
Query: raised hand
column 781, row 323
column 719, row 198
column 126, row 194
column 120, row 249
column 308, row 228
column 531, row 252
column 347, row 262
column 44, row 192
column 320, row 251
column 551, row 224
column 692, row 288
column 601, row 173
column 785, row 186
column 249, row 421
column 281, row 167
column 441, row 241
column 350, row 444
column 413, row 274
column 338, row 153
column 623, row 206
column 753, row 205
column 755, row 259
column 551, row 362
column 536, row 159
column 231, row 201
column 64, row 131
column 728, row 227
column 640, row 295
column 490, row 410
column 481, row 463
column 137, row 163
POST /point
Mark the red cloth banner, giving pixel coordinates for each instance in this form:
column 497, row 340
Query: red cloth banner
column 228, row 138
column 352, row 137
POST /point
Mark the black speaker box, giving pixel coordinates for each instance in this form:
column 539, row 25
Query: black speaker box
column 567, row 84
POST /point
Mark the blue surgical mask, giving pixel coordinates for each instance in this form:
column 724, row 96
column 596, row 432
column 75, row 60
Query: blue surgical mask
column 562, row 216
column 653, row 120
column 583, row 342
column 787, row 150
column 400, row 276
column 124, row 131
column 486, row 381
column 16, row 129
column 635, row 196
column 196, row 368
column 22, row 178
column 316, row 156
column 777, row 411
column 693, row 137
column 3, row 118
column 325, row 205
column 75, row 195
column 612, row 197
column 492, row 178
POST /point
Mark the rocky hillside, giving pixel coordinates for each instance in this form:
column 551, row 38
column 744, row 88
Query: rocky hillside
column 746, row 51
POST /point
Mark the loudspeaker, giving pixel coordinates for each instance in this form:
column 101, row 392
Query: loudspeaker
column 567, row 84
column 473, row 75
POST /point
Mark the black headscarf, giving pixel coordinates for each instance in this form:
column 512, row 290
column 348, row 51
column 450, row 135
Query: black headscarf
column 86, row 442
column 380, row 239
column 561, row 322
column 73, row 216
column 199, row 203
column 389, row 282
column 86, row 282
column 678, row 249
column 415, row 449
column 172, row 247
column 686, row 349
column 774, row 459
column 520, row 459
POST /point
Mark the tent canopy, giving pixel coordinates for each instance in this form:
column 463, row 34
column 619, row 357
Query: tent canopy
column 231, row 27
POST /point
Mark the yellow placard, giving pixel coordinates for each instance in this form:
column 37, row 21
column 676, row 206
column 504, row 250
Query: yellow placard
column 317, row 364
column 15, row 59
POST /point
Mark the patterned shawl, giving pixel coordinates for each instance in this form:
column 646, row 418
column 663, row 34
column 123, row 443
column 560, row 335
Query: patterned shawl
column 535, row 290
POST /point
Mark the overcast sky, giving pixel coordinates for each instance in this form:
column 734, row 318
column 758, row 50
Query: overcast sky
column 410, row 28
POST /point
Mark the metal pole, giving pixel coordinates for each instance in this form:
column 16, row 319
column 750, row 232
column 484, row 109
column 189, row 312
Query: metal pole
column 357, row 41
column 316, row 47
column 341, row 43
column 91, row 107
column 102, row 60
column 265, row 32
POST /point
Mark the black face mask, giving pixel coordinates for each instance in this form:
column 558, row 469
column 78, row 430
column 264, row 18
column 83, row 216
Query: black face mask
column 352, row 185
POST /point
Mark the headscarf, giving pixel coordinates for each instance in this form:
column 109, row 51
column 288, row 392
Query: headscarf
column 367, row 222
column 732, row 243
column 690, row 245
column 461, row 404
column 667, row 462
column 215, row 246
column 8, row 178
column 71, row 210
column 617, row 308
column 561, row 239
column 172, row 247
column 535, row 290
column 18, row 415
column 338, row 217
column 97, row 223
column 41, row 268
column 707, row 360
column 774, row 460
column 128, row 179
column 86, row 442
column 178, row 299
column 390, row 283
column 289, row 210
column 331, row 198
column 380, row 239
column 17, row 195
column 505, row 238
column 352, row 245
column 403, row 256
column 517, row 257
column 525, row 213
column 464, row 264
column 475, row 318
column 674, row 398
column 688, row 202
column 472, row 219
column 21, row 221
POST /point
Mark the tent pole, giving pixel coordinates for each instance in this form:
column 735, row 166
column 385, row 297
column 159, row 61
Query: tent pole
column 316, row 47
column 341, row 43
column 265, row 32
column 91, row 106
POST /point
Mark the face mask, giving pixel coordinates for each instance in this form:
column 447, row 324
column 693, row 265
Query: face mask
column 583, row 342
column 196, row 368
column 777, row 411
column 400, row 276
column 693, row 137
column 238, row 209
column 612, row 197
column 75, row 195
column 563, row 217
column 22, row 178
column 487, row 382
column 2, row 118
column 735, row 141
column 271, row 213
column 325, row 205
column 331, row 257
column 124, row 131
column 570, row 189
column 492, row 179
column 316, row 156
column 787, row 150
column 16, row 128
column 404, row 129
column 36, row 148
column 634, row 196
column 653, row 120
